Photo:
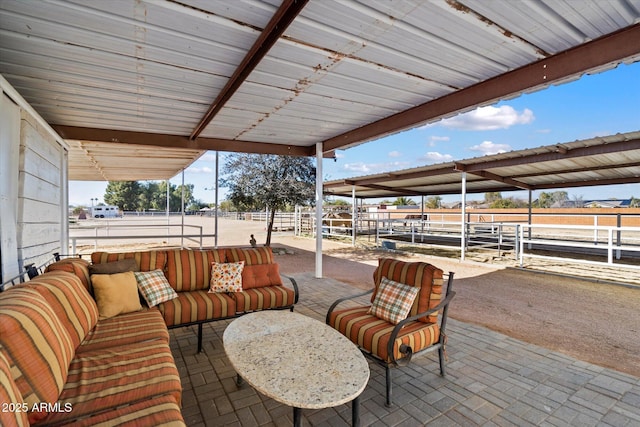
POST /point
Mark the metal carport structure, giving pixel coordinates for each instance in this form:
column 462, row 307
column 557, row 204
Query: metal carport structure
column 607, row 160
column 298, row 77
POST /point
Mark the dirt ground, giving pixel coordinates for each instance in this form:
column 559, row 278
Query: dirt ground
column 592, row 321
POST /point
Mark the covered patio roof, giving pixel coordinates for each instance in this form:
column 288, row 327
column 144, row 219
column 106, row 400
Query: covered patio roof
column 598, row 161
column 280, row 77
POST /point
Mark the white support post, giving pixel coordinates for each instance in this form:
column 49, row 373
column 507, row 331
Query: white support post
column 530, row 218
column 354, row 215
column 168, row 220
column 319, row 210
column 182, row 206
column 215, row 220
column 463, row 234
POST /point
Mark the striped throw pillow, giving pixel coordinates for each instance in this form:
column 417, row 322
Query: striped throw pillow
column 393, row 301
column 154, row 287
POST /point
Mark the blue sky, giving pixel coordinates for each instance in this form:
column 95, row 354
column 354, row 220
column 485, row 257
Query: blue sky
column 595, row 105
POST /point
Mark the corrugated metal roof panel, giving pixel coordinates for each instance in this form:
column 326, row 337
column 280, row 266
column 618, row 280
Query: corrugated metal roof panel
column 587, row 162
column 100, row 161
column 340, row 66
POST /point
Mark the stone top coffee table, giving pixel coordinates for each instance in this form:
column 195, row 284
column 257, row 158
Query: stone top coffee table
column 296, row 360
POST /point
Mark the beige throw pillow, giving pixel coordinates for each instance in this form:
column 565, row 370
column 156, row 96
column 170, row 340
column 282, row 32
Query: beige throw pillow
column 115, row 293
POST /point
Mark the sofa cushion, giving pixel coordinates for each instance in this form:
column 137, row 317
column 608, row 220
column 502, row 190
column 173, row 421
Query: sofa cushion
column 157, row 411
column 37, row 346
column 393, row 301
column 197, row 306
column 146, row 260
column 14, row 409
column 190, row 270
column 77, row 266
column 250, row 256
column 125, row 329
column 226, row 276
column 425, row 276
column 114, row 267
column 154, row 287
column 121, row 375
column 74, row 307
column 263, row 298
column 260, row 275
column 373, row 334
column 116, row 293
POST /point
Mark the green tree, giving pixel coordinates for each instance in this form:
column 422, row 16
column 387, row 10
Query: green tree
column 634, row 203
column 337, row 203
column 504, row 203
column 403, row 201
column 227, row 206
column 433, row 202
column 151, row 198
column 124, row 194
column 175, row 196
column 546, row 200
column 136, row 196
column 492, row 197
column 269, row 181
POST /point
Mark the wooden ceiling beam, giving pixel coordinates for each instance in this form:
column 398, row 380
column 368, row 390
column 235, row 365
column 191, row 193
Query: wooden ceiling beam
column 280, row 21
column 182, row 142
column 498, row 178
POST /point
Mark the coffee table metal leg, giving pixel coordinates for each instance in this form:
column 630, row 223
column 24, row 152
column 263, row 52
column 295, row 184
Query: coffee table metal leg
column 297, row 417
column 355, row 412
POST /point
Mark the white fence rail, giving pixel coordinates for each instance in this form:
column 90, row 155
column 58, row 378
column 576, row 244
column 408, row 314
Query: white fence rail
column 615, row 245
column 610, row 243
column 135, row 232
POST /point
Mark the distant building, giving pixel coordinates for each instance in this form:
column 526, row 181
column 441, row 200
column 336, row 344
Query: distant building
column 621, row 203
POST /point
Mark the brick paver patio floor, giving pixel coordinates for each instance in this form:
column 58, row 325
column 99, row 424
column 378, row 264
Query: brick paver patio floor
column 492, row 380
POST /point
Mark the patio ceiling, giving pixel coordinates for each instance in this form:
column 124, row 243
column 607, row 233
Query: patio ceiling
column 271, row 77
column 598, row 161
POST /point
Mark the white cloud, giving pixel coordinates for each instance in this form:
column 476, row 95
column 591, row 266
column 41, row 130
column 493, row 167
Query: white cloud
column 372, row 168
column 488, row 147
column 395, row 154
column 198, row 170
column 339, row 155
column 439, row 138
column 435, row 139
column 435, row 157
column 489, row 118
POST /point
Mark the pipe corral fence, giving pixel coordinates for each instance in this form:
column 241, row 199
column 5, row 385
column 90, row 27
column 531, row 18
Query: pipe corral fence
column 594, row 236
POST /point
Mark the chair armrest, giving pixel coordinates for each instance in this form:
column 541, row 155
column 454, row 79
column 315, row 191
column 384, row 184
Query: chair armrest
column 394, row 334
column 295, row 287
column 338, row 301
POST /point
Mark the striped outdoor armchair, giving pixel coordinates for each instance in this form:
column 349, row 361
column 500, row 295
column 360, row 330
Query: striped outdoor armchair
column 402, row 319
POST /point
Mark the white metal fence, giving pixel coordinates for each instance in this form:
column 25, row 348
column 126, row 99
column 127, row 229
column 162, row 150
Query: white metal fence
column 594, row 243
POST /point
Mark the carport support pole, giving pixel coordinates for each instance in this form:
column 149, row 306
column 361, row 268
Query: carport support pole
column 354, row 215
column 463, row 230
column 318, row 210
column 215, row 200
column 182, row 209
column 168, row 219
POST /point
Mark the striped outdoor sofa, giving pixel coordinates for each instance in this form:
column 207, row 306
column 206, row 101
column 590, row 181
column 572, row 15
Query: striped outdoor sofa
column 421, row 330
column 188, row 271
column 61, row 365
